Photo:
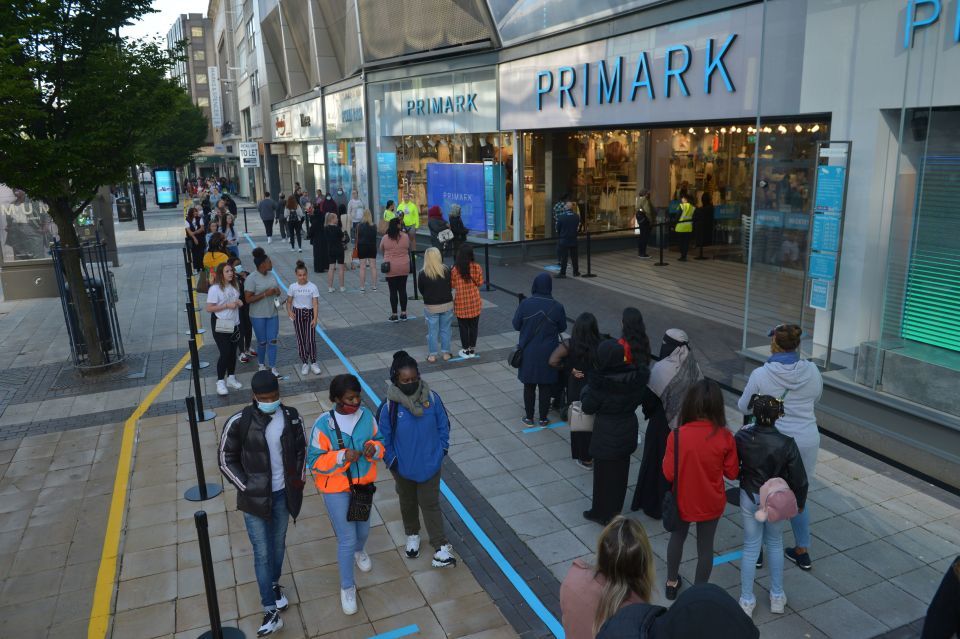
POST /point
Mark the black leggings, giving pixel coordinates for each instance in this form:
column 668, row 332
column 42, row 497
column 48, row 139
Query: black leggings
column 294, row 228
column 227, row 345
column 268, row 225
column 469, row 327
column 398, row 292
column 705, row 533
column 246, row 330
column 529, row 395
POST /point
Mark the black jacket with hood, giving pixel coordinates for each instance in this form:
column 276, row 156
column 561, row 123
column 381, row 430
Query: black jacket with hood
column 766, row 453
column 612, row 394
column 244, row 458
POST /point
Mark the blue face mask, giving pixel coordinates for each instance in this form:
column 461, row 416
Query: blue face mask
column 268, row 407
column 238, row 269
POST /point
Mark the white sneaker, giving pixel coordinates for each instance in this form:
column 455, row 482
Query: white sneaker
column 363, row 290
column 304, row 369
column 262, row 367
column 315, row 368
column 748, row 607
column 299, row 250
column 363, row 561
column 221, row 387
column 329, row 289
column 232, row 382
column 348, row 600
column 343, row 289
column 444, row 557
column 778, row 604
column 281, row 599
column 269, row 240
column 271, row 623
column 463, row 354
column 293, row 250
column 413, row 546
column 275, row 372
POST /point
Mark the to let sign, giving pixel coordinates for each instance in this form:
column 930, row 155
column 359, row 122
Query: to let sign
column 249, row 154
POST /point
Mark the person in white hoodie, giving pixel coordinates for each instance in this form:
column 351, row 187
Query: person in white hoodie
column 797, row 382
column 355, row 209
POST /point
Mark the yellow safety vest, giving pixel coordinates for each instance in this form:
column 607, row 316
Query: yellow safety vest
column 685, row 224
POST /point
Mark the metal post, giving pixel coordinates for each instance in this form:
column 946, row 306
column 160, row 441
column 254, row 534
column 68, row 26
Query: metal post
column 201, row 414
column 486, row 263
column 413, row 271
column 246, row 228
column 194, row 329
column 202, row 491
column 216, row 631
column 589, row 272
column 193, row 332
column 660, row 242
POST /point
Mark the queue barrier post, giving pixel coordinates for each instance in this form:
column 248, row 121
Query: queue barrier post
column 193, row 329
column 413, row 271
column 201, row 414
column 660, row 243
column 589, row 272
column 193, row 332
column 246, row 227
column 217, row 630
column 202, row 491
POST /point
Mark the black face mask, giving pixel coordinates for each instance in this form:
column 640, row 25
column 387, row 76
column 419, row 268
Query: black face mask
column 668, row 346
column 409, row 388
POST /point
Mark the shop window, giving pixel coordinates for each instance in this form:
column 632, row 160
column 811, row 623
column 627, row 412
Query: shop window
column 203, row 102
column 251, row 34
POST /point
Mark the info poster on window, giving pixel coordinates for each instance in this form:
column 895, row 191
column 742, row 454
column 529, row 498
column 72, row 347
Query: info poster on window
column 830, row 196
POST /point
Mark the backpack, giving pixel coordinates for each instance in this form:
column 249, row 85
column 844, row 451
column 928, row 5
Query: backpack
column 777, row 501
column 631, row 622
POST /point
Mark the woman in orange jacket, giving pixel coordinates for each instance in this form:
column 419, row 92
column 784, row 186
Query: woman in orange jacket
column 344, row 448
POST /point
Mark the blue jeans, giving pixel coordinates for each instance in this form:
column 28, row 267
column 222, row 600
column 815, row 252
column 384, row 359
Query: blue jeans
column 269, row 537
column 801, row 523
column 438, row 323
column 351, row 535
column 266, row 329
column 755, row 533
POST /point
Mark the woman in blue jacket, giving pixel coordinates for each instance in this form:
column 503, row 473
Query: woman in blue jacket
column 416, row 435
column 540, row 320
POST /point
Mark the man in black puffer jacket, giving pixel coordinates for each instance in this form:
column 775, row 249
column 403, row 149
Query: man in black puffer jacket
column 612, row 394
column 263, row 453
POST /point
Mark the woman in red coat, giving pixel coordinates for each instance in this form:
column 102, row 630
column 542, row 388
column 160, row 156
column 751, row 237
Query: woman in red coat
column 707, row 454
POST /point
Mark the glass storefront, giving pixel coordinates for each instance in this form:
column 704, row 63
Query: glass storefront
column 346, row 149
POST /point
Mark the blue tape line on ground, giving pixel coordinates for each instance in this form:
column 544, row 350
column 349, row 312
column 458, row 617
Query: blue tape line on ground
column 730, row 556
column 399, row 632
column 528, row 595
column 535, row 429
column 252, row 243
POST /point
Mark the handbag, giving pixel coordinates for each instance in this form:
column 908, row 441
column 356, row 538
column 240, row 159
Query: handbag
column 669, row 507
column 445, row 235
column 384, row 267
column 361, row 495
column 515, row 358
column 579, row 421
column 225, row 326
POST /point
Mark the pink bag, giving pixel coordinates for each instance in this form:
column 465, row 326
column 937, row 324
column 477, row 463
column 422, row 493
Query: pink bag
column 777, row 501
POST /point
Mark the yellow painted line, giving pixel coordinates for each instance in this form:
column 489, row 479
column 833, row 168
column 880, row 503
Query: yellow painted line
column 106, row 575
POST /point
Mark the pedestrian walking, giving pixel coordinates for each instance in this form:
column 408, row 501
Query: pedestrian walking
column 245, row 343
column 567, row 227
column 333, row 236
column 355, row 211
column 766, row 454
column 395, row 248
column 263, row 296
column 435, row 288
column 612, row 394
column 684, row 227
column 278, row 215
column 797, row 382
column 416, row 434
column 645, row 221
column 670, row 379
column 223, row 304
column 321, row 260
column 262, row 453
column 195, row 238
column 293, row 215
column 366, row 241
column 624, row 574
column 303, row 309
column 267, row 210
column 540, row 320
column 345, row 445
column 577, row 356
column 706, row 453
column 466, row 278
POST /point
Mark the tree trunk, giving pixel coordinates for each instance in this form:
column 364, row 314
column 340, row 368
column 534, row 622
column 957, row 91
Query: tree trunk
column 62, row 214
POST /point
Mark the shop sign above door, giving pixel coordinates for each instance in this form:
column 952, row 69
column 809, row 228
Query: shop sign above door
column 923, row 13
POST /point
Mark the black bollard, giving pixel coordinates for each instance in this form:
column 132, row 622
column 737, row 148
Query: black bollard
column 660, row 242
column 413, row 271
column 201, row 414
column 192, row 321
column 486, row 264
column 246, row 228
column 193, row 329
column 202, row 491
column 700, row 256
column 217, row 631
column 589, row 272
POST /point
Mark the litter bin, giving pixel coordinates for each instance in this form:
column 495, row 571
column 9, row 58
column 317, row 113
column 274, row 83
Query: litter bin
column 101, row 315
column 124, row 209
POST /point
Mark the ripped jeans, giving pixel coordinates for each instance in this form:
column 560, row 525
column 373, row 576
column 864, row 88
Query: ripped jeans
column 266, row 330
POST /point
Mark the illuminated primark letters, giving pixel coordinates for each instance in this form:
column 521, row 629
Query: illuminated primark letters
column 611, row 81
column 923, row 13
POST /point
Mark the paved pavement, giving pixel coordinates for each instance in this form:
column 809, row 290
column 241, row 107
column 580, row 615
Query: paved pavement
column 882, row 538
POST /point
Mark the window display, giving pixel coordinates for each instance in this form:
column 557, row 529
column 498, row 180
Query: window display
column 26, row 229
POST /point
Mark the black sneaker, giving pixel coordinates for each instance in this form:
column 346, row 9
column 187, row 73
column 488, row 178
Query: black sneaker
column 561, row 276
column 393, row 318
column 528, row 421
column 544, row 422
column 281, row 599
column 271, row 623
column 671, row 591
column 759, row 563
column 802, row 559
column 589, row 516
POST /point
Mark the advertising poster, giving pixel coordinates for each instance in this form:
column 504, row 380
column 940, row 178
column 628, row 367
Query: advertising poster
column 461, row 184
column 830, row 183
column 387, row 177
column 823, row 266
column 166, row 183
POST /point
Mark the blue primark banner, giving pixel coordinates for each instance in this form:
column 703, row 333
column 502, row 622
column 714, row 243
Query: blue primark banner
column 461, row 184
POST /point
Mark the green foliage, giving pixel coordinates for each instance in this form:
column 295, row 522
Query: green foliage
column 80, row 105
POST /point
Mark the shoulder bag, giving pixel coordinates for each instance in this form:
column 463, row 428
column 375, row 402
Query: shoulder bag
column 579, row 421
column 203, row 281
column 670, row 506
column 516, row 357
column 361, row 495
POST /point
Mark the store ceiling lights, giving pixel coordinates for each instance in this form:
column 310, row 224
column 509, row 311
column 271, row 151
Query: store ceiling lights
column 691, row 129
column 798, row 129
column 782, row 129
column 815, row 128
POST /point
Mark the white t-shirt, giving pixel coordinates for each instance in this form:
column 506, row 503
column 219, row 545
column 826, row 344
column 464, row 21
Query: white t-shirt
column 217, row 296
column 273, row 433
column 303, row 294
column 346, row 423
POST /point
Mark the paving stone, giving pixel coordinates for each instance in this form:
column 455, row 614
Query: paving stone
column 804, row 590
column 790, row 626
column 884, row 559
column 889, row 604
column 535, row 523
column 923, row 545
column 145, row 591
column 557, row 546
column 468, row 615
column 843, row 534
column 325, row 615
column 840, row 618
column 922, row 583
column 845, row 575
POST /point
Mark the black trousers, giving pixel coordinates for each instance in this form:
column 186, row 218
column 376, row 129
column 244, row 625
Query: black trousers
column 282, row 223
column 571, row 253
column 610, row 478
column 580, row 445
column 295, row 229
column 643, row 237
column 246, row 329
column 469, row 327
column 398, row 293
column 684, row 240
column 706, row 530
column 530, row 392
column 227, row 345
column 268, row 224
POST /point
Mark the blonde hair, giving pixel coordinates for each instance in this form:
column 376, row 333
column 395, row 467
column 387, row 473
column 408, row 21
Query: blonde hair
column 367, row 217
column 331, row 218
column 433, row 265
column 625, row 561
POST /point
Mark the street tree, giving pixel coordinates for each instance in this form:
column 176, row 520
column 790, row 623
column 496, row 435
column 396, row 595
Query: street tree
column 80, row 105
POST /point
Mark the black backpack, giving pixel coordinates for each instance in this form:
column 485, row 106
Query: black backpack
column 631, row 622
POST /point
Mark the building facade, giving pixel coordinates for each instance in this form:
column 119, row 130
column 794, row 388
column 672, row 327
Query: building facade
column 192, row 72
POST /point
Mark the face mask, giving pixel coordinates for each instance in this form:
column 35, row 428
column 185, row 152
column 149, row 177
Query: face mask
column 268, row 407
column 238, row 269
column 329, row 197
column 348, row 409
column 409, row 388
column 340, row 192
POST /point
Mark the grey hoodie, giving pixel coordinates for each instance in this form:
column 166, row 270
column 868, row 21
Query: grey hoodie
column 803, row 381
